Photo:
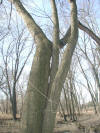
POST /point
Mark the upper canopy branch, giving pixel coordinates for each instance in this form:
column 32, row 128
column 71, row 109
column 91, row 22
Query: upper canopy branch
column 61, row 74
column 55, row 23
column 89, row 32
column 34, row 29
column 66, row 60
column 74, row 22
column 73, row 28
column 55, row 48
column 64, row 40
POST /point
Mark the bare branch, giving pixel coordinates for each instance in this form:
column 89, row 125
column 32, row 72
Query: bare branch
column 10, row 17
column 64, row 40
column 61, row 73
column 89, row 32
column 65, row 64
column 55, row 22
column 55, row 53
column 34, row 29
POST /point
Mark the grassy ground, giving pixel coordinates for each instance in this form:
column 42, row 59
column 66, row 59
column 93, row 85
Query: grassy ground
column 87, row 122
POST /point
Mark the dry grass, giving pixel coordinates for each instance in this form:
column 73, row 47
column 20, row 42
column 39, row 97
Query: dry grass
column 86, row 120
column 8, row 125
column 7, row 116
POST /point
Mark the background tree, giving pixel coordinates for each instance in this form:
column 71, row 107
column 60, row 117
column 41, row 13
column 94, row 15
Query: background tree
column 14, row 56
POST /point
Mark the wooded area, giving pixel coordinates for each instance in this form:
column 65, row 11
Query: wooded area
column 50, row 66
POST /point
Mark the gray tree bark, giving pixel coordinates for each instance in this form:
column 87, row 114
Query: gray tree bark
column 51, row 109
column 42, row 98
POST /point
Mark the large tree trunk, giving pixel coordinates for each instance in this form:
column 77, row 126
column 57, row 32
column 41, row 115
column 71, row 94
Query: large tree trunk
column 51, row 109
column 42, row 98
column 34, row 104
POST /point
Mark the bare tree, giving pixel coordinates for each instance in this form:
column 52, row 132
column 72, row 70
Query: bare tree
column 89, row 88
column 47, row 75
column 13, row 62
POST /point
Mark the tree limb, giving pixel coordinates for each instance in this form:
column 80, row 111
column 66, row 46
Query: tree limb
column 50, row 112
column 64, row 40
column 34, row 29
column 55, row 23
column 65, row 64
column 55, row 52
column 89, row 32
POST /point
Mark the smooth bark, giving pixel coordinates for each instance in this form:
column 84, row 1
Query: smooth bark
column 50, row 112
column 39, row 112
column 35, row 100
column 55, row 47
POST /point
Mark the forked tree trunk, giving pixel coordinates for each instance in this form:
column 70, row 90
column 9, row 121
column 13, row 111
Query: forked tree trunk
column 42, row 98
column 51, row 109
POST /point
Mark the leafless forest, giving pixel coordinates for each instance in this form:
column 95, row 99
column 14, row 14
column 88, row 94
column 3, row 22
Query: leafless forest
column 50, row 66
